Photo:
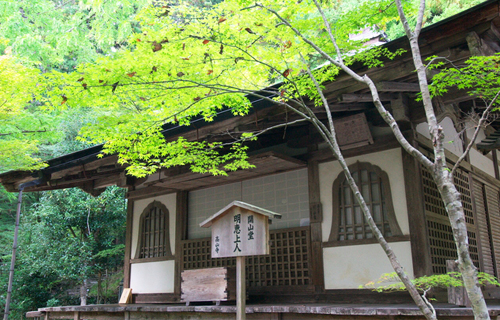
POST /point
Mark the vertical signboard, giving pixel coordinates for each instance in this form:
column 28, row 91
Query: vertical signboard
column 240, row 233
column 238, row 230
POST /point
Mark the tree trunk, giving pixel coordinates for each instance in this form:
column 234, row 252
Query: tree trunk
column 442, row 176
column 99, row 288
column 83, row 293
column 451, row 198
column 330, row 137
column 426, row 308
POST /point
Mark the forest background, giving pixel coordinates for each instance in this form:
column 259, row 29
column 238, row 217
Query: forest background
column 69, row 239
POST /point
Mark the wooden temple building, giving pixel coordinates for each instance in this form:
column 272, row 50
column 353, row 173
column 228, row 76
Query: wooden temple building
column 321, row 248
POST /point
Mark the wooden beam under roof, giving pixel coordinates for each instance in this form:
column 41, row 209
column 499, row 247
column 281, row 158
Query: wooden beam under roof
column 182, row 178
column 345, row 107
column 395, row 86
column 365, row 97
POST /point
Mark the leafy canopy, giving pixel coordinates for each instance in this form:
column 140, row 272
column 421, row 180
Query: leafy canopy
column 479, row 76
column 42, row 35
column 19, row 128
column 62, row 34
column 190, row 61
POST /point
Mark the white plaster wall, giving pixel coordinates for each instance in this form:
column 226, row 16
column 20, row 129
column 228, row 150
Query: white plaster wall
column 152, row 277
column 453, row 142
column 477, row 159
column 348, row 267
column 286, row 193
column 390, row 161
column 482, row 162
column 169, row 200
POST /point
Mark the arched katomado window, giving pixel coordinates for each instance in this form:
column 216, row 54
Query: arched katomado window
column 154, row 237
column 348, row 223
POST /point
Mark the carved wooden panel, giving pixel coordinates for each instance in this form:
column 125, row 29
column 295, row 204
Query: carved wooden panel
column 288, row 263
column 353, row 131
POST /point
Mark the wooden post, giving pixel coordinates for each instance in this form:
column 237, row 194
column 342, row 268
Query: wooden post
column 495, row 164
column 420, row 250
column 316, row 219
column 456, row 295
column 180, row 234
column 239, row 230
column 13, row 259
column 241, row 294
column 128, row 242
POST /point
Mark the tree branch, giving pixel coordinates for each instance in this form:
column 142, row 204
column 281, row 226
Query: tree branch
column 420, row 18
column 24, row 132
column 72, row 232
column 363, row 79
column 483, row 119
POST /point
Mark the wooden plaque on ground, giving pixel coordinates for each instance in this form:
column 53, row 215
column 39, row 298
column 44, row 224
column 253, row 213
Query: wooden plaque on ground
column 211, row 284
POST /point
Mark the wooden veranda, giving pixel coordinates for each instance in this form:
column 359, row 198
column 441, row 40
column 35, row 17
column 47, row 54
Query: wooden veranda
column 256, row 311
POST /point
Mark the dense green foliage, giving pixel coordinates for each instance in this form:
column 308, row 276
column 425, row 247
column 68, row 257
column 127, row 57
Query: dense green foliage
column 36, row 37
column 68, row 236
column 39, row 36
column 63, row 34
column 479, row 76
column 128, row 86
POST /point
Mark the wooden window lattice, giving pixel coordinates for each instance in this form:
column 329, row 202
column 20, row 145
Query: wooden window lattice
column 352, row 223
column 461, row 180
column 348, row 222
column 154, row 232
column 288, row 263
column 441, row 240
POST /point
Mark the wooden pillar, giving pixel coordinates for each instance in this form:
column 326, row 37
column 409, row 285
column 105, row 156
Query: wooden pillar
column 128, row 242
column 316, row 218
column 241, row 288
column 495, row 163
column 180, row 234
column 420, row 250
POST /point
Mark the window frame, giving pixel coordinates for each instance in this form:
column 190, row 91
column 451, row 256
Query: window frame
column 168, row 255
column 396, row 236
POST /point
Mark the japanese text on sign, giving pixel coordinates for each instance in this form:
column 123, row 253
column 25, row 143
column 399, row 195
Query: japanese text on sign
column 240, row 233
column 237, row 232
column 250, row 228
